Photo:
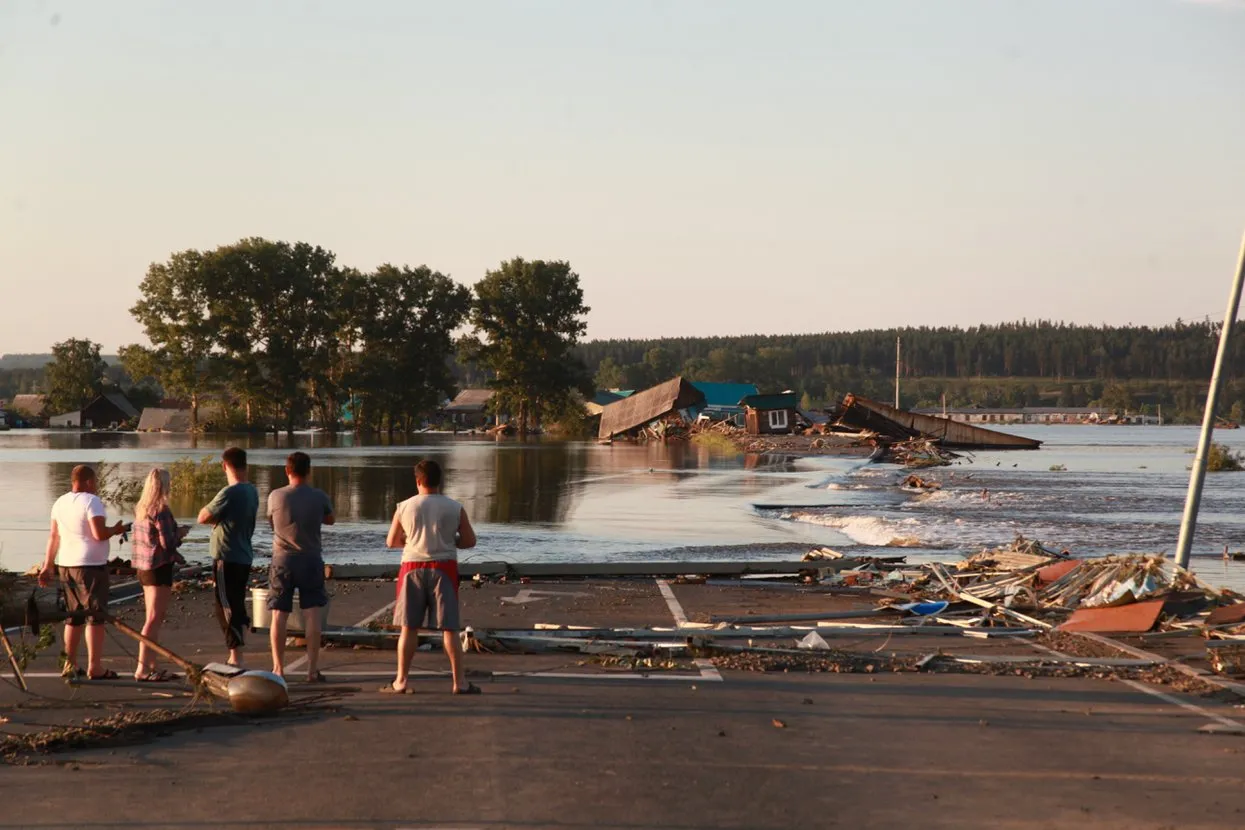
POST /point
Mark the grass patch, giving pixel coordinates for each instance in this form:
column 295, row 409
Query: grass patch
column 715, row 442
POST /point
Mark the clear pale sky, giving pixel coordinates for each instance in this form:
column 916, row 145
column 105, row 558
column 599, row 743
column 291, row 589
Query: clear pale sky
column 707, row 166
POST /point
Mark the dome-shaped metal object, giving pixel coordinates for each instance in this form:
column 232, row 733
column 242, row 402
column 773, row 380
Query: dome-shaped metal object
column 258, row 693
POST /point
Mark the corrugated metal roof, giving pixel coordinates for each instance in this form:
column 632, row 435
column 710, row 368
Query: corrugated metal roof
column 160, row 419
column 724, row 394
column 642, row 407
column 123, row 403
column 783, row 400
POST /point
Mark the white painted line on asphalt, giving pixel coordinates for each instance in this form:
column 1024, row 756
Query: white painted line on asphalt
column 708, row 671
column 676, row 610
column 301, row 661
column 1163, row 696
column 1183, row 704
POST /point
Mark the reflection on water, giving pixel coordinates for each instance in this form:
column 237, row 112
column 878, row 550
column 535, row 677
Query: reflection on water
column 529, row 501
column 1113, row 490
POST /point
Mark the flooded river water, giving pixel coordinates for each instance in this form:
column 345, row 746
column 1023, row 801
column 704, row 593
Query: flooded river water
column 1122, row 489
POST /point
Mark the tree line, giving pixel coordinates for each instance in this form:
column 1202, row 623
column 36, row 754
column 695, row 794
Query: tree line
column 1014, row 364
column 275, row 334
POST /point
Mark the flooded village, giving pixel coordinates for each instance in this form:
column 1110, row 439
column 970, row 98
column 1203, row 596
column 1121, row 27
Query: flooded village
column 622, row 415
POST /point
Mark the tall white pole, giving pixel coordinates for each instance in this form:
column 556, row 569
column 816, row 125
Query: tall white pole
column 1196, row 478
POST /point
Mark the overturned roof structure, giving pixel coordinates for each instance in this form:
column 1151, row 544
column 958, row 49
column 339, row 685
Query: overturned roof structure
column 643, row 407
column 162, row 419
column 901, row 425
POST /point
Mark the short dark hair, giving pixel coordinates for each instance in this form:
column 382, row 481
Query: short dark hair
column 234, row 458
column 428, row 473
column 298, row 464
column 82, row 474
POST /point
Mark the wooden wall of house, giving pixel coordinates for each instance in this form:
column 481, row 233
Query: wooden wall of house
column 756, row 421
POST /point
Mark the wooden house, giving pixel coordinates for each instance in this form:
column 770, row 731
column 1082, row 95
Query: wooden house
column 771, row 414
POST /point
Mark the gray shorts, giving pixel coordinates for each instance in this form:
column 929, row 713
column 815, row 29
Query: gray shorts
column 427, row 598
column 296, row 571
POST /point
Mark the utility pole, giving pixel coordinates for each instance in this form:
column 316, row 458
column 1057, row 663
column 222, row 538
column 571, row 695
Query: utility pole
column 1196, row 478
column 897, row 342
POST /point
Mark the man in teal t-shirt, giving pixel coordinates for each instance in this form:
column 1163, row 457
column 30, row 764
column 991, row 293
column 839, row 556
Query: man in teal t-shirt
column 232, row 516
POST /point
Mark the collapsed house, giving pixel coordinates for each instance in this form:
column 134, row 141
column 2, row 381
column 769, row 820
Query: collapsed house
column 655, row 410
column 164, row 419
column 902, row 425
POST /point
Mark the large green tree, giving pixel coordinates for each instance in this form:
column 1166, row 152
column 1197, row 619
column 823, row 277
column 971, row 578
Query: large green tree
column 528, row 317
column 407, row 323
column 75, row 375
column 175, row 309
column 275, row 309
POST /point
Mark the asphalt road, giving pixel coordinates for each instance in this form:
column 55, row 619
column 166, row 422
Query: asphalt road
column 587, row 748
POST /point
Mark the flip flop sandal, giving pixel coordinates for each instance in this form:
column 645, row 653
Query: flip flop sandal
column 318, row 677
column 108, row 674
column 472, row 689
column 72, row 673
column 157, row 676
column 388, row 689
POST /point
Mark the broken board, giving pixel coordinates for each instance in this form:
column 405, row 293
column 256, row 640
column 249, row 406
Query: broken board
column 1135, row 617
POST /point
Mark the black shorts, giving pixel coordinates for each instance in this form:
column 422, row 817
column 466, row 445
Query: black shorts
column 161, row 577
column 299, row 571
column 86, row 594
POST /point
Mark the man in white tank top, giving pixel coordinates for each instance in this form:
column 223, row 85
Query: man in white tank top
column 430, row 528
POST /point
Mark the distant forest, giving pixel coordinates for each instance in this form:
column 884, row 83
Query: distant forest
column 1015, row 364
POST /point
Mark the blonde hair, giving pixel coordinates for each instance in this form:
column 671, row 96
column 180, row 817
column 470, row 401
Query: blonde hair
column 155, row 495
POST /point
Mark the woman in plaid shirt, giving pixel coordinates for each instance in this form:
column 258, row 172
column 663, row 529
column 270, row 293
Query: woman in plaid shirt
column 156, row 540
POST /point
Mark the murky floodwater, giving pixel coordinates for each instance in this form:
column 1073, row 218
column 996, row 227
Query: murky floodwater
column 1122, row 490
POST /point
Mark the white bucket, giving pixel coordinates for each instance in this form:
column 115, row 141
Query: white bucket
column 261, row 617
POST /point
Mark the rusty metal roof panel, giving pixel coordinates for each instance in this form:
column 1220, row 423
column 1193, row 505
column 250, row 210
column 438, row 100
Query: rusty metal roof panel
column 642, row 407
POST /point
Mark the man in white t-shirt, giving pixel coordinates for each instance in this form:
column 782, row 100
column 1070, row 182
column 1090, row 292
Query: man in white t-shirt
column 78, row 543
column 430, row 528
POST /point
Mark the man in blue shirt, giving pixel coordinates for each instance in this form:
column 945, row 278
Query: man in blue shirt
column 232, row 516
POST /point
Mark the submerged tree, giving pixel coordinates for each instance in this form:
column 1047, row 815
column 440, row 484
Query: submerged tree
column 175, row 311
column 407, row 322
column 75, row 375
column 528, row 318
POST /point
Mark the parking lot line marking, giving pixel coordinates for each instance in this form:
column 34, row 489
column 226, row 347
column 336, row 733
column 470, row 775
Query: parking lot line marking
column 301, row 661
column 676, row 610
column 1163, row 696
column 1184, row 704
column 708, row 671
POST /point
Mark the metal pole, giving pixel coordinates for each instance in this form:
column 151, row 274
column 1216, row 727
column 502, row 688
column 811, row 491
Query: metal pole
column 897, row 371
column 1194, row 498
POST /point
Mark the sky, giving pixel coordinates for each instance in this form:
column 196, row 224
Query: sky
column 706, row 166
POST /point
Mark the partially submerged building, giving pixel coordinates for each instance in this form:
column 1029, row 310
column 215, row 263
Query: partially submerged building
column 775, row 414
column 673, row 399
column 105, row 412
column 28, row 410
column 164, row 419
column 902, row 425
column 469, row 409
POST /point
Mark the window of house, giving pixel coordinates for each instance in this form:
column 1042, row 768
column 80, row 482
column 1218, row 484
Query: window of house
column 778, row 419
